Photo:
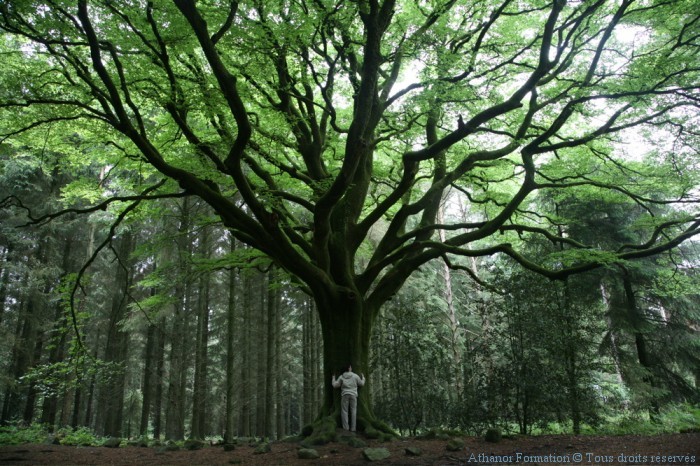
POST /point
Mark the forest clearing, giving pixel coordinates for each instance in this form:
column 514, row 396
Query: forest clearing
column 226, row 219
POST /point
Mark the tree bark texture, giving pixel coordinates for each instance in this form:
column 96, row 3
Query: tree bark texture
column 199, row 401
column 111, row 401
column 231, row 333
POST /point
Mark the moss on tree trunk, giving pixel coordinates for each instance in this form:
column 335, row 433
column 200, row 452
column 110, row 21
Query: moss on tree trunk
column 346, row 323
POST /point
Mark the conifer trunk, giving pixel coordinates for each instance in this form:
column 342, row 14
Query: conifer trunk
column 147, row 381
column 244, row 428
column 230, row 423
column 111, row 400
column 308, row 347
column 260, row 373
column 158, row 395
column 273, row 298
column 4, row 278
column 175, row 408
column 199, row 405
column 279, row 379
column 640, row 342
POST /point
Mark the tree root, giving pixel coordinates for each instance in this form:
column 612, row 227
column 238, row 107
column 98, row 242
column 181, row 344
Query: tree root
column 320, row 432
column 325, row 430
column 375, row 429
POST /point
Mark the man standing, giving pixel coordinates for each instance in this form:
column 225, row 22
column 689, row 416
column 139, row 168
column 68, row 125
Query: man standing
column 348, row 384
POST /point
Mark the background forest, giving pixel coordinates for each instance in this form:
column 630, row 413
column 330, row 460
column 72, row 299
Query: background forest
column 184, row 332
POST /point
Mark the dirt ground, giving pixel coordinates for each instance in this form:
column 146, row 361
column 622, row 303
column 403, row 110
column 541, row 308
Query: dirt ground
column 550, row 449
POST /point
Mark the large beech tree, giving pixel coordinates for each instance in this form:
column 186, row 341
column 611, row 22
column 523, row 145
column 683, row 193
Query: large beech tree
column 327, row 133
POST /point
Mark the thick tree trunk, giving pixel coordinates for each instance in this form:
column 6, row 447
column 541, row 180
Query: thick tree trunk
column 346, row 323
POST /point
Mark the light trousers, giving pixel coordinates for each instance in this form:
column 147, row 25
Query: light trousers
column 348, row 402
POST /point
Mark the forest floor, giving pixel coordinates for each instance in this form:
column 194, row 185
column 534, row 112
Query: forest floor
column 547, row 449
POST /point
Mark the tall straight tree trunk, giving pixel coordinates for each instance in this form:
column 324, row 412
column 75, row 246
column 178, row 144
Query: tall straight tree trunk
column 456, row 353
column 261, row 354
column 4, row 278
column 76, row 404
column 199, row 401
column 88, row 420
column 569, row 325
column 611, row 331
column 307, row 343
column 158, row 382
column 279, row 377
column 186, row 348
column 273, row 303
column 311, row 362
column 30, row 403
column 84, row 392
column 230, row 426
column 147, row 379
column 56, row 354
column 111, row 405
column 175, row 408
column 24, row 348
column 317, row 357
column 150, row 378
column 174, row 422
column 246, row 359
column 58, row 341
column 20, row 357
column 37, row 337
column 643, row 356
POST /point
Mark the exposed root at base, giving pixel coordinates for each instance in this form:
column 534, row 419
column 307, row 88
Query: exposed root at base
column 320, row 432
column 375, row 429
column 325, row 430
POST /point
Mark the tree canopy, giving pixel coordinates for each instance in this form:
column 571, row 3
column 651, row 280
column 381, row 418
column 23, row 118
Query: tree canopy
column 354, row 141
